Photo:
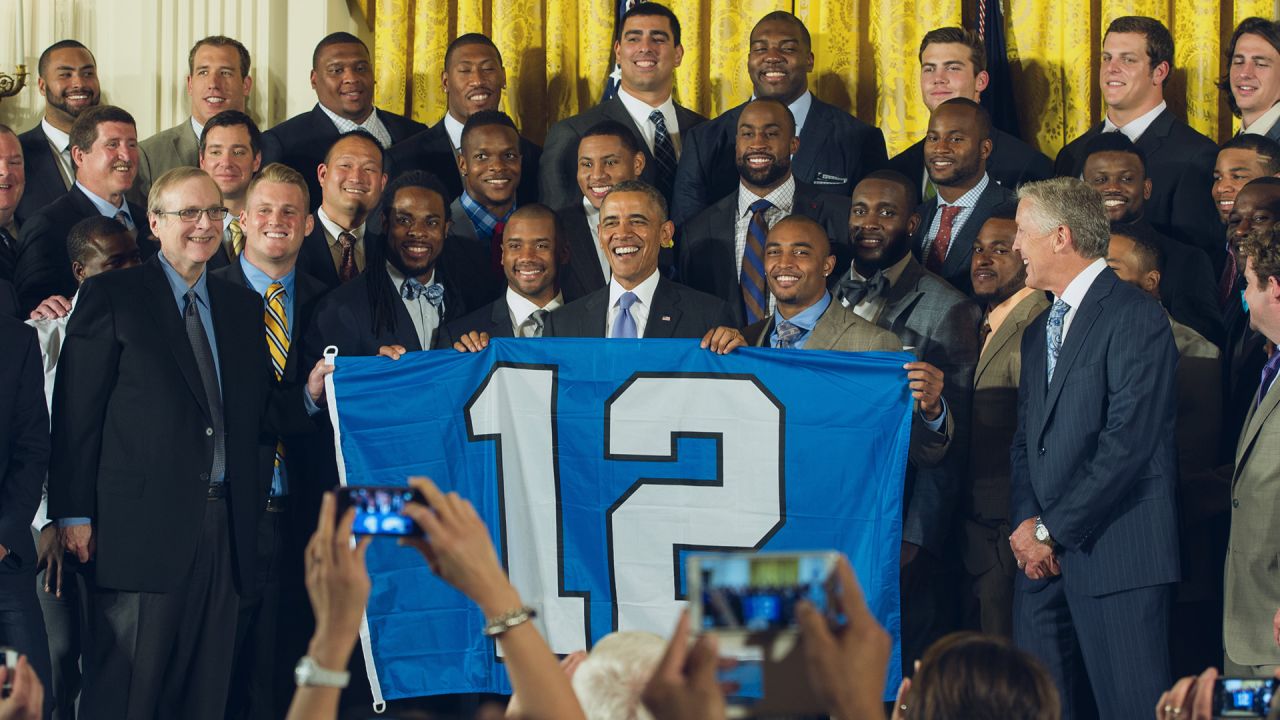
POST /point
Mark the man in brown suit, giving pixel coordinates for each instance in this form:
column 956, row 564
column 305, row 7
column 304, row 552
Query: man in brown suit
column 999, row 285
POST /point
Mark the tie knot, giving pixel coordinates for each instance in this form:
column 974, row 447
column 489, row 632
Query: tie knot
column 788, row 332
column 274, row 291
column 627, row 300
column 346, row 239
column 760, row 205
column 189, row 300
column 656, row 118
column 1059, row 310
column 949, row 212
column 122, row 217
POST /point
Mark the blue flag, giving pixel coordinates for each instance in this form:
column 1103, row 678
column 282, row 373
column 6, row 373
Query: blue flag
column 598, row 464
column 998, row 98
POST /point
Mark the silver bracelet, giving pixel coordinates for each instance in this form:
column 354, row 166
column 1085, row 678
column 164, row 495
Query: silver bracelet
column 504, row 622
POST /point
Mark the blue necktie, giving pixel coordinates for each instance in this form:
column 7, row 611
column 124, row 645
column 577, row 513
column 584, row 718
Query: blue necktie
column 624, row 326
column 1057, row 314
column 664, row 153
column 755, row 294
column 1268, row 375
column 787, row 333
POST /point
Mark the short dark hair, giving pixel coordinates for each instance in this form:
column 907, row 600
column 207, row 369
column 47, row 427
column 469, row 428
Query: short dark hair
column 1007, row 210
column 912, row 189
column 233, row 118
column 1261, row 145
column 1159, row 41
column 486, row 118
column 958, row 36
column 220, row 41
column 83, row 233
column 650, row 9
column 1146, row 244
column 43, row 63
column 1265, row 181
column 773, row 101
column 613, row 128
column 470, row 39
column 408, row 179
column 641, row 186
column 84, row 132
column 784, row 16
column 542, row 212
column 336, row 38
column 981, row 113
column 970, row 675
column 1263, row 28
column 1114, row 142
column 363, row 135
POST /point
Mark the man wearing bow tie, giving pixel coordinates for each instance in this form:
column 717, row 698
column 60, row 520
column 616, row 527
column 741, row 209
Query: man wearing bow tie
column 887, row 285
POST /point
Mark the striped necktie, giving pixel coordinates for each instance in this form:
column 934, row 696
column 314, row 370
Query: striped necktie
column 755, row 292
column 237, row 240
column 276, row 320
column 664, row 154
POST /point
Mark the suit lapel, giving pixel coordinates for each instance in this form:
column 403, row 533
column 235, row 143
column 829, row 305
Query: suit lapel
column 1154, row 136
column 815, row 140
column 615, row 110
column 901, row 295
column 186, row 144
column 173, row 331
column 1253, row 423
column 501, row 319
column 582, row 252
column 665, row 313
column 1081, row 324
column 1012, row 325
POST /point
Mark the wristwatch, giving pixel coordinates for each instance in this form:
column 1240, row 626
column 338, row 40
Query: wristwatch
column 1042, row 533
column 308, row 674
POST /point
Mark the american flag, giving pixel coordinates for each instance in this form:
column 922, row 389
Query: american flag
column 998, row 97
column 615, row 77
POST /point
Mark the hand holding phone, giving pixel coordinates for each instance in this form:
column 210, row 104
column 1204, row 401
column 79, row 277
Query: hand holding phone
column 380, row 509
column 1237, row 697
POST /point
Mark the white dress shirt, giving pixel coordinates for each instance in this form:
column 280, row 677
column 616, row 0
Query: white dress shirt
column 639, row 111
column 424, row 315
column 1075, row 291
column 453, row 128
column 1135, row 127
column 519, row 308
column 1264, row 123
column 593, row 222
column 60, row 142
column 372, row 125
column 639, row 309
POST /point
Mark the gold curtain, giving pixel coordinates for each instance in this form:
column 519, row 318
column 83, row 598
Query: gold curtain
column 558, row 53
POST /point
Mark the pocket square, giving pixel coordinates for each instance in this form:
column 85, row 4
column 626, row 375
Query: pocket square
column 826, row 179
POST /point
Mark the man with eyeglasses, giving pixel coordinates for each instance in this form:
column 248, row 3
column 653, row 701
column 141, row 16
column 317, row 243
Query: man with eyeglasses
column 163, row 394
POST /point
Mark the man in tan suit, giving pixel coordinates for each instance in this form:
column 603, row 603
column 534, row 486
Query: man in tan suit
column 999, row 280
column 218, row 80
column 1251, row 622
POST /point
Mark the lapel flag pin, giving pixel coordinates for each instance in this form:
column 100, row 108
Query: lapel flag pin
column 666, row 318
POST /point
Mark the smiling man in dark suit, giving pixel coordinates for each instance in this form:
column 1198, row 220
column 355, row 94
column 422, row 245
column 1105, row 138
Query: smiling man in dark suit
column 836, row 149
column 721, row 249
column 104, row 145
column 1136, row 62
column 953, row 63
column 638, row 302
column 68, row 81
column 647, row 49
column 342, row 76
column 163, row 396
column 956, row 150
column 1093, row 484
column 352, row 178
column 473, row 79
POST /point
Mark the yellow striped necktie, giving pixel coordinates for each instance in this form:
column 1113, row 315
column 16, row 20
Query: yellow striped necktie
column 237, row 244
column 277, row 323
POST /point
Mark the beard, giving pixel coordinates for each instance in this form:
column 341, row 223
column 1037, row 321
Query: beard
column 767, row 175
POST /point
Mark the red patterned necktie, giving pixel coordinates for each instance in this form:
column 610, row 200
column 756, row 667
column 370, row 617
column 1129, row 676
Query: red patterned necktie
column 347, row 266
column 942, row 241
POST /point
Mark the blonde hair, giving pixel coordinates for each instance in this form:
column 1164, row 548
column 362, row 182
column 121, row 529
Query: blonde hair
column 609, row 682
column 281, row 173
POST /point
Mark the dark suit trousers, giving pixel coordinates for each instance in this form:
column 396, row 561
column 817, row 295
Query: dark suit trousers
column 1116, row 645
column 930, row 605
column 21, row 622
column 167, row 655
column 66, row 621
column 260, row 674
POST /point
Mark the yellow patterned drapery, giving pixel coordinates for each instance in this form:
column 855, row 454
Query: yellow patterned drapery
column 558, row 53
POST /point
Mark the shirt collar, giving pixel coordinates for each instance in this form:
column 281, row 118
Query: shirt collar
column 522, row 307
column 800, row 110
column 197, row 128
column 485, row 222
column 1075, row 291
column 179, row 286
column 340, row 121
column 644, row 291
column 59, row 139
column 891, row 273
column 454, row 129
column 333, row 229
column 807, row 318
column 639, row 110
column 104, row 206
column 260, row 281
column 1265, row 122
column 593, row 215
column 782, row 197
column 1134, row 128
column 997, row 314
column 398, row 278
column 970, row 198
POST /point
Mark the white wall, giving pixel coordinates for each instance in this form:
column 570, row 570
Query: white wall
column 141, row 47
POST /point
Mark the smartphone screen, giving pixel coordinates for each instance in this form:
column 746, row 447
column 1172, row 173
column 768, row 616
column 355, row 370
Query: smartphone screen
column 380, row 509
column 757, row 592
column 1243, row 697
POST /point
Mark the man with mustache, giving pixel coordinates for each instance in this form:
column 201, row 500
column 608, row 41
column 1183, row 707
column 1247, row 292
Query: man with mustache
column 217, row 79
column 342, row 76
column 473, row 79
column 104, row 145
column 490, row 168
column 721, row 249
column 351, row 180
column 68, row 81
column 647, row 49
column 836, row 149
column 1116, row 168
column 608, row 154
column 956, row 150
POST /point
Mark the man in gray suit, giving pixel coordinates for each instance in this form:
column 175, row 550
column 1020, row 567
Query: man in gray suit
column 1000, row 284
column 886, row 285
column 1251, row 623
column 218, row 79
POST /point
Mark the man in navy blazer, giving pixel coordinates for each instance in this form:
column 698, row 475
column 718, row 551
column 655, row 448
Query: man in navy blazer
column 473, row 80
column 342, row 76
column 836, row 149
column 1093, row 468
column 1180, row 160
column 953, row 63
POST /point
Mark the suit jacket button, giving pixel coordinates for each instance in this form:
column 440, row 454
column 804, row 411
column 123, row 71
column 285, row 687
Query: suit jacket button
column 1041, row 452
column 209, row 432
column 1235, row 502
column 204, row 477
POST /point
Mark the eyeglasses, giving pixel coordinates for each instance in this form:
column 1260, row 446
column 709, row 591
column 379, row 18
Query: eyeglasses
column 192, row 214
